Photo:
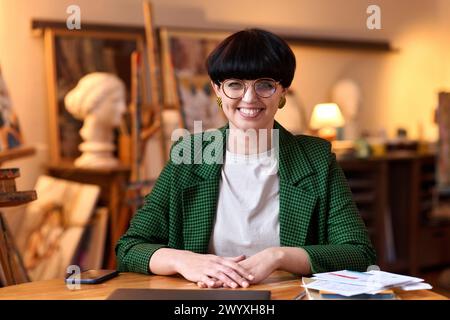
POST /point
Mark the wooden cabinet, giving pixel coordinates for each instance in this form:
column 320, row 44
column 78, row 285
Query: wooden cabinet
column 367, row 180
column 433, row 246
column 395, row 194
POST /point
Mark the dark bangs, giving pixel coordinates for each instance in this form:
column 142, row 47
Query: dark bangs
column 252, row 54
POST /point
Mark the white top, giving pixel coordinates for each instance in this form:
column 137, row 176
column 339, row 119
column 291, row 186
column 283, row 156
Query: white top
column 247, row 219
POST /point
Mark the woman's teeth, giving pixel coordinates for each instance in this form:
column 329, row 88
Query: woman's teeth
column 249, row 112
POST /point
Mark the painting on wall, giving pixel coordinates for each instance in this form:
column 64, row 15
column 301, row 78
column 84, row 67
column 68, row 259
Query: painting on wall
column 53, row 225
column 186, row 82
column 10, row 135
column 72, row 55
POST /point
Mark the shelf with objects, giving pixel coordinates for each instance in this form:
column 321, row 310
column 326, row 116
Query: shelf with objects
column 431, row 227
column 396, row 196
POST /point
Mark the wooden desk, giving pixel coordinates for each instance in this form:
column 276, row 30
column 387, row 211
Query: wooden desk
column 283, row 285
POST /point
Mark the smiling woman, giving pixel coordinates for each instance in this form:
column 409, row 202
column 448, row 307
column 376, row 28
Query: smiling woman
column 247, row 55
column 277, row 204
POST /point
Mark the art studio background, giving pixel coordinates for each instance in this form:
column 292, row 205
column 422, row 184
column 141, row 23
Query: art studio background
column 390, row 129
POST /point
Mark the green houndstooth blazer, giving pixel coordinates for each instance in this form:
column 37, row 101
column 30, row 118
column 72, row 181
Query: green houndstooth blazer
column 317, row 212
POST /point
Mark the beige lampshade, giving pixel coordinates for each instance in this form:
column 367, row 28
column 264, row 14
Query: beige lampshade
column 326, row 115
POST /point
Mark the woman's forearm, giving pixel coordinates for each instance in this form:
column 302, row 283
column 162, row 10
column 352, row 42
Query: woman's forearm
column 163, row 261
column 294, row 260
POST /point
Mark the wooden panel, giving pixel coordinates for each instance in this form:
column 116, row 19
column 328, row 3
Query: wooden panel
column 434, row 246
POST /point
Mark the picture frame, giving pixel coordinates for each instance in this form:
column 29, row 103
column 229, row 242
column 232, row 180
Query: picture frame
column 70, row 55
column 10, row 132
column 186, row 84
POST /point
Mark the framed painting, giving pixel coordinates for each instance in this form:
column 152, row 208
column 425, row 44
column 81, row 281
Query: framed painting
column 70, row 55
column 10, row 134
column 186, row 82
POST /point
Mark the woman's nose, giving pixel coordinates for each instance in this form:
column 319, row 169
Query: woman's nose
column 249, row 95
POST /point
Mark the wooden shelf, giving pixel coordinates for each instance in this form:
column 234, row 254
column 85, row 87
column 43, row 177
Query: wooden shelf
column 69, row 168
column 38, row 25
column 398, row 208
column 12, row 199
column 16, row 153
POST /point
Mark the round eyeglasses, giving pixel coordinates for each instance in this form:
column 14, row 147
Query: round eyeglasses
column 236, row 88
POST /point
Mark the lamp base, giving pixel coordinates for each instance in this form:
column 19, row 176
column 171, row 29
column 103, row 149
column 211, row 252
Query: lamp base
column 327, row 134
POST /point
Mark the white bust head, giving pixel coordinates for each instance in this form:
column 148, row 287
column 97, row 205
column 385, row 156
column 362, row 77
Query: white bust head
column 347, row 95
column 98, row 100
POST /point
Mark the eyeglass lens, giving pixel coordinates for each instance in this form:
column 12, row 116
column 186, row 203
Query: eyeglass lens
column 235, row 88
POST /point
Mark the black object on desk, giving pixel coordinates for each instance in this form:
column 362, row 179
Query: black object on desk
column 188, row 294
column 92, row 276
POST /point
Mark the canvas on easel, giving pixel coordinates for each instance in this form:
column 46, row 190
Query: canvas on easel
column 186, row 84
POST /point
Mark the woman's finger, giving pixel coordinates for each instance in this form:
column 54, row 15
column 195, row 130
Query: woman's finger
column 239, row 269
column 235, row 276
column 221, row 276
column 207, row 281
column 236, row 259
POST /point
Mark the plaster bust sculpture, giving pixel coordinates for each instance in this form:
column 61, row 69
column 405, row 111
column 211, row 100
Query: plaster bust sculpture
column 347, row 95
column 99, row 99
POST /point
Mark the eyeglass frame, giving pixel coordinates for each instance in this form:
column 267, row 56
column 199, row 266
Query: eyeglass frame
column 247, row 86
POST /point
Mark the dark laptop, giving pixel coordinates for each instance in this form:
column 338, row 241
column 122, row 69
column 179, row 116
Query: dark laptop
column 187, row 294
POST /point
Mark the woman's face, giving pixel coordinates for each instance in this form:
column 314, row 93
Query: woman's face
column 250, row 111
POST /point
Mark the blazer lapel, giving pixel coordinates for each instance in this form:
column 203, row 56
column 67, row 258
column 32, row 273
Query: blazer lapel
column 199, row 207
column 199, row 199
column 298, row 197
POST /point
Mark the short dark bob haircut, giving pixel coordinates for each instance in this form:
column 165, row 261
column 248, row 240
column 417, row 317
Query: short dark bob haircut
column 251, row 54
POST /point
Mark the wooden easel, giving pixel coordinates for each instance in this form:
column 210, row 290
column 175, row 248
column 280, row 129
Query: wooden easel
column 12, row 269
column 146, row 117
column 146, row 121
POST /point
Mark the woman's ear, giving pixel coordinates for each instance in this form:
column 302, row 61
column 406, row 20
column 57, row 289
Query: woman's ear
column 216, row 88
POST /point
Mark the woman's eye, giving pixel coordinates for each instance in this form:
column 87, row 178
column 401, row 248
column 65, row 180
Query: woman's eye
column 235, row 85
column 266, row 85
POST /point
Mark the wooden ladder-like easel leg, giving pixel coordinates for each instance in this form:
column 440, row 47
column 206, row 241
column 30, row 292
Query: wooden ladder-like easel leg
column 12, row 269
column 6, row 276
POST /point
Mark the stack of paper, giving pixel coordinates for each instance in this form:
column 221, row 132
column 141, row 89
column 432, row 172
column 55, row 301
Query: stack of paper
column 351, row 283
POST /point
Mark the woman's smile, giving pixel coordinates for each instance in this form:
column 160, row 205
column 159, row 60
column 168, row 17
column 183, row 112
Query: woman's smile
column 250, row 113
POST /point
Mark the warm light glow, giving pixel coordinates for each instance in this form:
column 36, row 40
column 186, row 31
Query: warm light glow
column 326, row 115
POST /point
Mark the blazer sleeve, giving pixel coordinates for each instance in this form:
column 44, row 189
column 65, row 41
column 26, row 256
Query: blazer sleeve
column 349, row 246
column 148, row 229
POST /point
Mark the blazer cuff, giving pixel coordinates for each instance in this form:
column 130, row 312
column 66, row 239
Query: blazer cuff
column 141, row 254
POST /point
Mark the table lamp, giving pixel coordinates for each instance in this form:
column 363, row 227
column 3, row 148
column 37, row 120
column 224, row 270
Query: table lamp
column 326, row 117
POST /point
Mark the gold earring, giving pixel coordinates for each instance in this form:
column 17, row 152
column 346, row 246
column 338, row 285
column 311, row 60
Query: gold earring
column 282, row 102
column 219, row 102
